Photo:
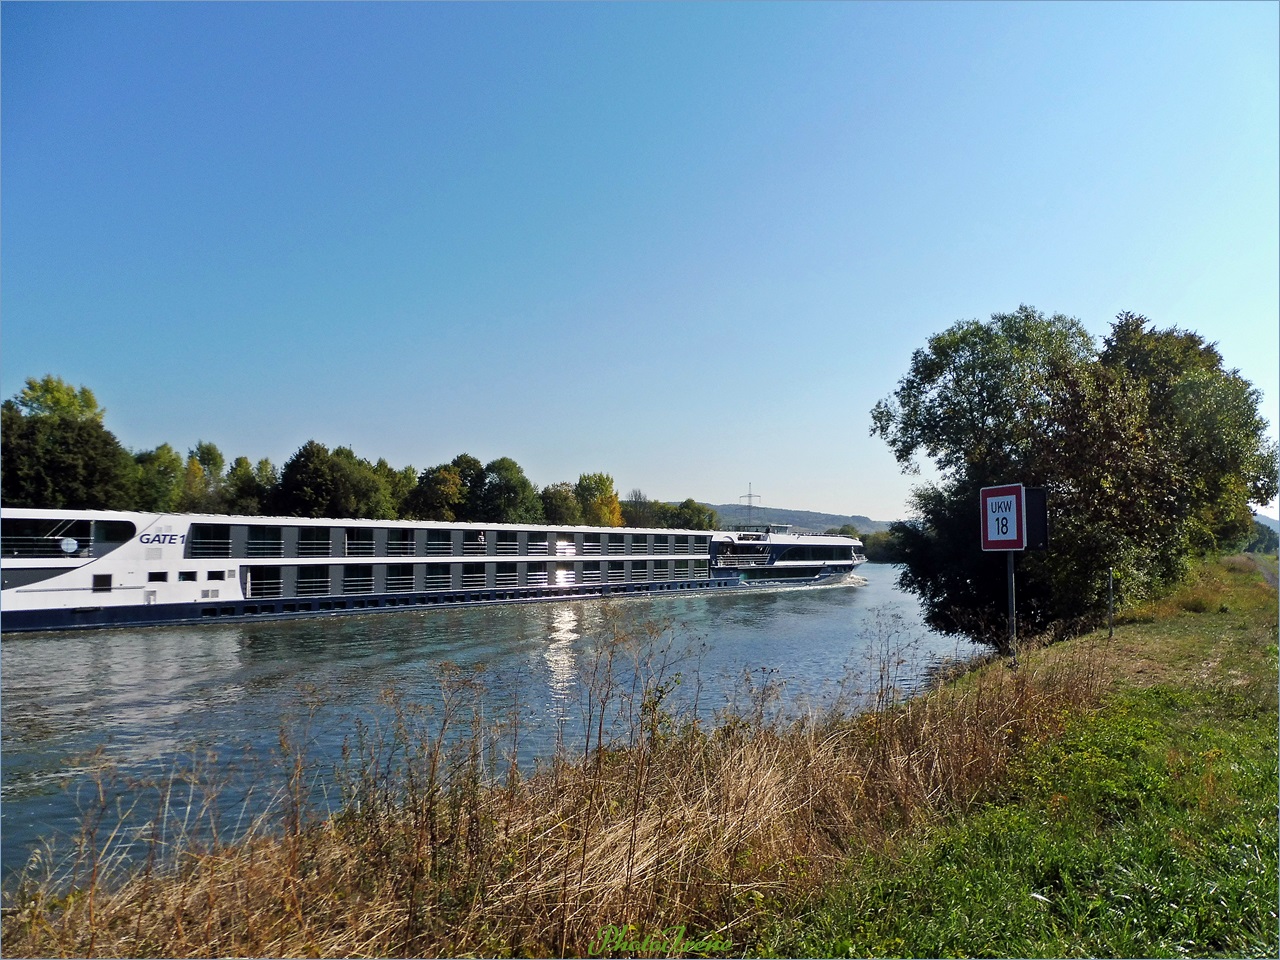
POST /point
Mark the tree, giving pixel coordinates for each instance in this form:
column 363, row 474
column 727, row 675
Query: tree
column 976, row 397
column 509, row 496
column 1208, row 417
column 52, row 396
column 560, row 505
column 598, row 499
column 692, row 515
column 400, row 484
column 1264, row 539
column 439, row 494
column 638, row 510
column 1140, row 472
column 306, row 486
column 248, row 488
column 881, row 547
column 159, row 478
column 358, row 489
column 203, row 480
column 471, row 472
column 62, row 461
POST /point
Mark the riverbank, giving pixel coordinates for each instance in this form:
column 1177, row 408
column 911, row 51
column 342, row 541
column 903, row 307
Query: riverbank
column 676, row 839
column 1149, row 828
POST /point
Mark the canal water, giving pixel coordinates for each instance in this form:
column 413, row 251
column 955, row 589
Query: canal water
column 145, row 704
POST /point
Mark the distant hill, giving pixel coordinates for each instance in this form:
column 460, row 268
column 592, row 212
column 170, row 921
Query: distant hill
column 801, row 520
column 1264, row 520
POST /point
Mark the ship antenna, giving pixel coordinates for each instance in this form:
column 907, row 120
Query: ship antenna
column 750, row 498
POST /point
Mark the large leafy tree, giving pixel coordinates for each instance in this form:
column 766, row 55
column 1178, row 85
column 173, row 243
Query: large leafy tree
column 560, row 504
column 400, row 484
column 439, row 494
column 639, row 511
column 203, row 480
column 249, row 487
column 63, row 460
column 307, row 483
column 159, row 479
column 472, row 473
column 599, row 500
column 509, row 496
column 692, row 515
column 358, row 489
column 1148, row 450
column 52, row 396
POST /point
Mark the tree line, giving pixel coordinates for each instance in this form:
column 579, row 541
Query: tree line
column 1151, row 452
column 58, row 453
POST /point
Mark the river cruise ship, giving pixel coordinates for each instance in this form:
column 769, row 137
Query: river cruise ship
column 78, row 569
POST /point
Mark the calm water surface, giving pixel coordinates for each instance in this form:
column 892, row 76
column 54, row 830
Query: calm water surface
column 150, row 700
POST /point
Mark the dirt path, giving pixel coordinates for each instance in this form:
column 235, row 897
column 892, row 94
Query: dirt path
column 1267, row 573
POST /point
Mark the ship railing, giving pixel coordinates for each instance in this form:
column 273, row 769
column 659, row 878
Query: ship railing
column 474, row 548
column 400, row 583
column 617, row 548
column 742, row 560
column 566, row 549
column 473, row 581
column 211, row 548
column 439, row 548
column 41, row 547
column 507, row 580
column 617, row 576
column 400, row 548
column 314, row 548
column 313, row 588
column 357, row 585
column 265, row 588
column 590, row 576
column 661, row 573
column 442, row 582
column 538, row 548
column 265, row 548
column 359, row 548
column 537, row 579
column 591, row 549
column 508, row 548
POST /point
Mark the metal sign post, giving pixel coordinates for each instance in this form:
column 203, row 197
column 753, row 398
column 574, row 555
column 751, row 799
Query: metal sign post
column 1004, row 527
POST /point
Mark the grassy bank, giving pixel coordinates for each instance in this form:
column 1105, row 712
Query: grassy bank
column 1147, row 829
column 1105, row 797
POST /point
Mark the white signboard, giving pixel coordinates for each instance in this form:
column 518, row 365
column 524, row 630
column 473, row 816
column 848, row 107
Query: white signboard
column 1003, row 512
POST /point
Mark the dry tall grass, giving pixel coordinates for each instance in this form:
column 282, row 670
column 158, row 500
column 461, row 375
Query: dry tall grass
column 444, row 848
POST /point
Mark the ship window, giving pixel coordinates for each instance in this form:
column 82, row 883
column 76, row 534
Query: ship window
column 314, row 542
column 209, row 540
column 113, row 531
column 102, row 583
column 28, row 537
column 158, row 576
column 359, row 541
column 186, row 575
column 216, row 575
column 266, row 542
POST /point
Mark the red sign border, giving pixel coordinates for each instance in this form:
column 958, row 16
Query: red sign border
column 1004, row 490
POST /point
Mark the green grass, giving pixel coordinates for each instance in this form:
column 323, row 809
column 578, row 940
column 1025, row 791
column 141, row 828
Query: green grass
column 1149, row 828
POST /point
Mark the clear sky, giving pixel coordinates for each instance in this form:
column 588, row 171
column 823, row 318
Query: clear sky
column 687, row 245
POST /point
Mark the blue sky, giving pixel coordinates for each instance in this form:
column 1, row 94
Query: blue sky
column 687, row 245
